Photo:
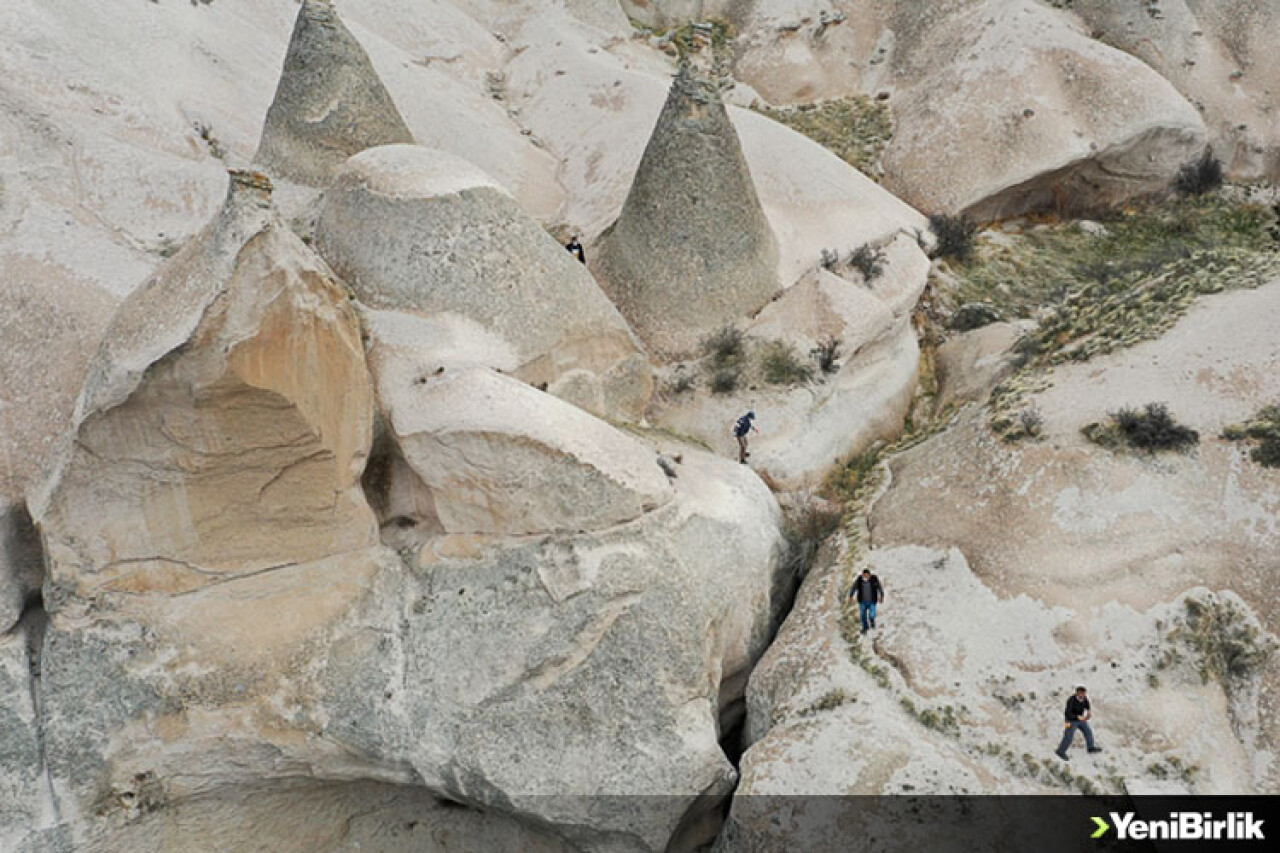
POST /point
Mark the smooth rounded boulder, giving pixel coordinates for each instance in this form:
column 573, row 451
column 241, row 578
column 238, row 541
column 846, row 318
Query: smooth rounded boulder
column 415, row 229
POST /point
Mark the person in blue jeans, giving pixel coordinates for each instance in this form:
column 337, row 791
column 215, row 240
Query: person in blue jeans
column 743, row 427
column 868, row 592
column 1078, row 714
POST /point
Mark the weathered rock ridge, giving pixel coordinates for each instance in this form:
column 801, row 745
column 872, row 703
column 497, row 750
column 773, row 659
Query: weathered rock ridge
column 1000, row 106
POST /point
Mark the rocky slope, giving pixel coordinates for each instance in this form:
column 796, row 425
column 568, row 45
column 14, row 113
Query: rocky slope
column 1147, row 578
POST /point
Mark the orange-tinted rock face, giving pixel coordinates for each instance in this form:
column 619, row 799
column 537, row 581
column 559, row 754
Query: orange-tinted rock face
column 222, row 439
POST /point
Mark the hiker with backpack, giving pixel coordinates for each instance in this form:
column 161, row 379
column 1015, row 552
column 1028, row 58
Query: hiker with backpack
column 741, row 428
column 1078, row 715
column 868, row 592
column 575, row 248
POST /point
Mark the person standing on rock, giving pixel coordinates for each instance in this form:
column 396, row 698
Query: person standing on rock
column 1078, row 715
column 741, row 428
column 575, row 248
column 868, row 592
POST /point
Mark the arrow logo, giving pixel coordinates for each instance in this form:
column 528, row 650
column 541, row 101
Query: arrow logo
column 1103, row 826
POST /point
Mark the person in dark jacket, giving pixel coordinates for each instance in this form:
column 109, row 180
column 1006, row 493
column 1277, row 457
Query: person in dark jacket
column 741, row 429
column 575, row 248
column 868, row 591
column 1078, row 714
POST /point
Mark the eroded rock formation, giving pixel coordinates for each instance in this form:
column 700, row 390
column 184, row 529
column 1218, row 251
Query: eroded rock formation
column 1000, row 107
column 806, row 427
column 224, row 424
column 224, row 622
column 1220, row 55
column 329, row 103
column 412, row 229
column 692, row 248
column 495, row 456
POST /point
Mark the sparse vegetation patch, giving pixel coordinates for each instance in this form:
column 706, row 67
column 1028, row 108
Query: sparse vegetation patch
column 955, row 236
column 868, row 260
column 1029, row 767
column 1200, row 177
column 827, row 354
column 683, row 382
column 1151, row 429
column 725, row 346
column 829, row 701
column 1096, row 291
column 973, row 315
column 1264, row 431
column 1216, row 637
column 782, row 366
column 1173, row 767
column 849, row 628
column 724, row 380
column 853, row 480
column 856, row 129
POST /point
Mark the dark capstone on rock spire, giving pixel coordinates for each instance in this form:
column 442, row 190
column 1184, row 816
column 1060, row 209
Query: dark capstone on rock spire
column 692, row 249
column 329, row 104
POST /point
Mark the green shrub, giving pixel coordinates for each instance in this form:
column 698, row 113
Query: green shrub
column 1263, row 429
column 1028, row 424
column 829, row 259
column 683, row 382
column 847, row 482
column 955, row 235
column 827, row 353
column 1267, row 454
column 850, row 629
column 1225, row 645
column 868, row 260
column 1151, row 429
column 1200, row 177
column 724, row 380
column 973, row 315
column 782, row 366
column 725, row 345
column 1173, row 767
column 829, row 701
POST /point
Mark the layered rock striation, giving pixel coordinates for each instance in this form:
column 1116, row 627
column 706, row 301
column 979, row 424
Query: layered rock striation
column 226, row 628
column 225, row 421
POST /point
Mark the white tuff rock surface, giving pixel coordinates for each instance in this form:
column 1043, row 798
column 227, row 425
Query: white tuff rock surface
column 419, row 230
column 1221, row 56
column 1000, row 106
column 493, row 455
column 805, row 429
column 264, row 640
column 225, row 421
